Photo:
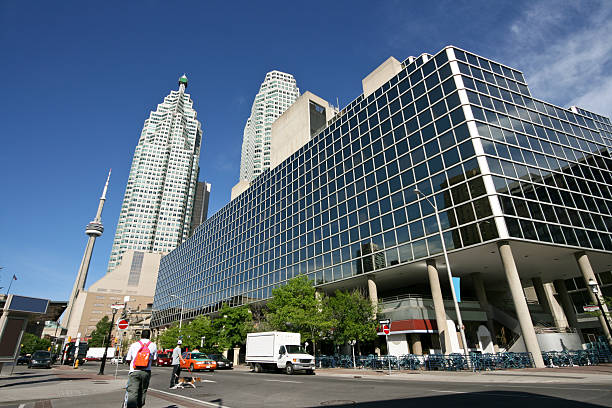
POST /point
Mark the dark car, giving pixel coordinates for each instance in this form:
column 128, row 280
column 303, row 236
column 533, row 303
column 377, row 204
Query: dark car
column 41, row 358
column 163, row 359
column 222, row 362
column 25, row 359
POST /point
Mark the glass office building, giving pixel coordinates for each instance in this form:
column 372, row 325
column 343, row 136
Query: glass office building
column 465, row 131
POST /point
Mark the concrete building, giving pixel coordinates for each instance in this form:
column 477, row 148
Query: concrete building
column 159, row 197
column 298, row 125
column 276, row 94
column 523, row 193
column 135, row 277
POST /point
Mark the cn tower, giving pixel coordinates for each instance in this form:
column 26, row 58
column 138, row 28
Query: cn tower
column 94, row 229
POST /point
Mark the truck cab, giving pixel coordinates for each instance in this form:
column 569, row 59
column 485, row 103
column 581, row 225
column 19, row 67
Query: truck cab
column 294, row 358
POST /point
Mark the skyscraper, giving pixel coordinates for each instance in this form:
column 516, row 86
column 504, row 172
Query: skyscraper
column 276, row 94
column 159, row 197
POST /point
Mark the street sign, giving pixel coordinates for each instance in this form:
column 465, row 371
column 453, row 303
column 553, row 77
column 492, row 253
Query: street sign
column 386, row 321
column 590, row 308
column 117, row 306
column 386, row 329
column 122, row 324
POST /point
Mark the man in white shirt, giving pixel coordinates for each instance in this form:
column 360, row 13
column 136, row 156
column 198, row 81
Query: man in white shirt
column 177, row 359
column 138, row 379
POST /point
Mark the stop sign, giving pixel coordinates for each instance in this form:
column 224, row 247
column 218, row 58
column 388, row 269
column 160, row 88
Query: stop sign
column 122, row 324
column 386, row 329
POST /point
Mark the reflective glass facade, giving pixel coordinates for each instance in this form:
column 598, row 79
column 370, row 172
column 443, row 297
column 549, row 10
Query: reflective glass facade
column 344, row 204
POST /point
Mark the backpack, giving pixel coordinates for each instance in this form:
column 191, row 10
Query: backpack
column 143, row 356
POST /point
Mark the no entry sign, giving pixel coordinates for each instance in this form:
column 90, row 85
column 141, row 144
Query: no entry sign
column 386, row 329
column 122, row 324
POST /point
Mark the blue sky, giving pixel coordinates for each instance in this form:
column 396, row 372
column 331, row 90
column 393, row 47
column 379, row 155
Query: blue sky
column 78, row 79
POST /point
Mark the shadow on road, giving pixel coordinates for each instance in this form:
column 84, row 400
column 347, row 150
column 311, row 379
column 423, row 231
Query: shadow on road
column 49, row 380
column 21, row 376
column 488, row 399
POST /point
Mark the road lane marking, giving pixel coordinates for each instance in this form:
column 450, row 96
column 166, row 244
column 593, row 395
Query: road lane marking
column 210, row 404
column 450, row 391
column 287, row 381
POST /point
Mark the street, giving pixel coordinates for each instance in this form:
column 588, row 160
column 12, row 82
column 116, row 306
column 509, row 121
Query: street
column 242, row 388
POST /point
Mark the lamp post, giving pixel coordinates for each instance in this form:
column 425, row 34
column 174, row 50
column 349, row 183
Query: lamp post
column 108, row 338
column 450, row 274
column 352, row 343
column 181, row 318
column 595, row 289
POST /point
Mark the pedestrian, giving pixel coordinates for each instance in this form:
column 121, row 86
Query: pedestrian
column 177, row 359
column 140, row 355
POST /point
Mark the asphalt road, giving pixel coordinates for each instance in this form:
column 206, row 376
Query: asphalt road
column 239, row 388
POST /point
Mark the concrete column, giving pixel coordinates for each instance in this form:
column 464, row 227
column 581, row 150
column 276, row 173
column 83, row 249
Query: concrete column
column 567, row 305
column 520, row 304
column 436, row 294
column 555, row 308
column 538, row 286
column 481, row 295
column 373, row 293
column 415, row 344
column 587, row 272
column 236, row 355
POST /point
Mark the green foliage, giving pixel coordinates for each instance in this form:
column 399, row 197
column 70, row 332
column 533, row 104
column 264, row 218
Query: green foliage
column 30, row 343
column 231, row 326
column 294, row 307
column 168, row 338
column 353, row 317
column 98, row 336
column 193, row 332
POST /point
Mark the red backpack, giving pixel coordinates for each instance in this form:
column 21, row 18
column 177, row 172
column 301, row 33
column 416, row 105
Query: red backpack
column 143, row 356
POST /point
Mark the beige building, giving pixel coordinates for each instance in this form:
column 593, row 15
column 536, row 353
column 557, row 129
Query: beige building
column 303, row 120
column 135, row 277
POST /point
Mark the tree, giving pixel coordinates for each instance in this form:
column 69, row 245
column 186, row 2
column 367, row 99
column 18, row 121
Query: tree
column 168, row 338
column 294, row 307
column 231, row 326
column 31, row 343
column 352, row 314
column 193, row 332
column 98, row 336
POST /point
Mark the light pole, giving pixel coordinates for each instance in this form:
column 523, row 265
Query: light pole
column 108, row 338
column 450, row 274
column 352, row 343
column 181, row 319
column 595, row 289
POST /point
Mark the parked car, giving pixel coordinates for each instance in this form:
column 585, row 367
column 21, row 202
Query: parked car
column 25, row 359
column 163, row 359
column 198, row 361
column 41, row 358
column 222, row 362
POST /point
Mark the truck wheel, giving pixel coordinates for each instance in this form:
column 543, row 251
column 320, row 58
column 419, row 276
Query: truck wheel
column 257, row 368
column 289, row 369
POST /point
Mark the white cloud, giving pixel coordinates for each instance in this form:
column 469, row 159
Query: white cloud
column 565, row 51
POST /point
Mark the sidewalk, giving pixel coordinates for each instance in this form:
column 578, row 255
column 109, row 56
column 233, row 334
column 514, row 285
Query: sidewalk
column 64, row 387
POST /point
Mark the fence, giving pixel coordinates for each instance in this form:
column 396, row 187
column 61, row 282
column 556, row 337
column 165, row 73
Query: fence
column 596, row 353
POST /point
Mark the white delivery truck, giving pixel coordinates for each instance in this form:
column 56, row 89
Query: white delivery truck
column 96, row 353
column 278, row 350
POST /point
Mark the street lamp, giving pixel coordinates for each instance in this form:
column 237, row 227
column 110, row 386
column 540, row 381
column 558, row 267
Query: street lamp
column 450, row 274
column 108, row 337
column 181, row 319
column 595, row 289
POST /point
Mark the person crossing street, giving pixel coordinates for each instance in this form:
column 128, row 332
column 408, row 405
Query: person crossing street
column 177, row 359
column 140, row 355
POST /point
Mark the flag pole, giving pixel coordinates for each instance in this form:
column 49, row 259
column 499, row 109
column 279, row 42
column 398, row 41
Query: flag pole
column 11, row 284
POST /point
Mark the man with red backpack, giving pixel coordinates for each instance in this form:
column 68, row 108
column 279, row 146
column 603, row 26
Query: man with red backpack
column 140, row 355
